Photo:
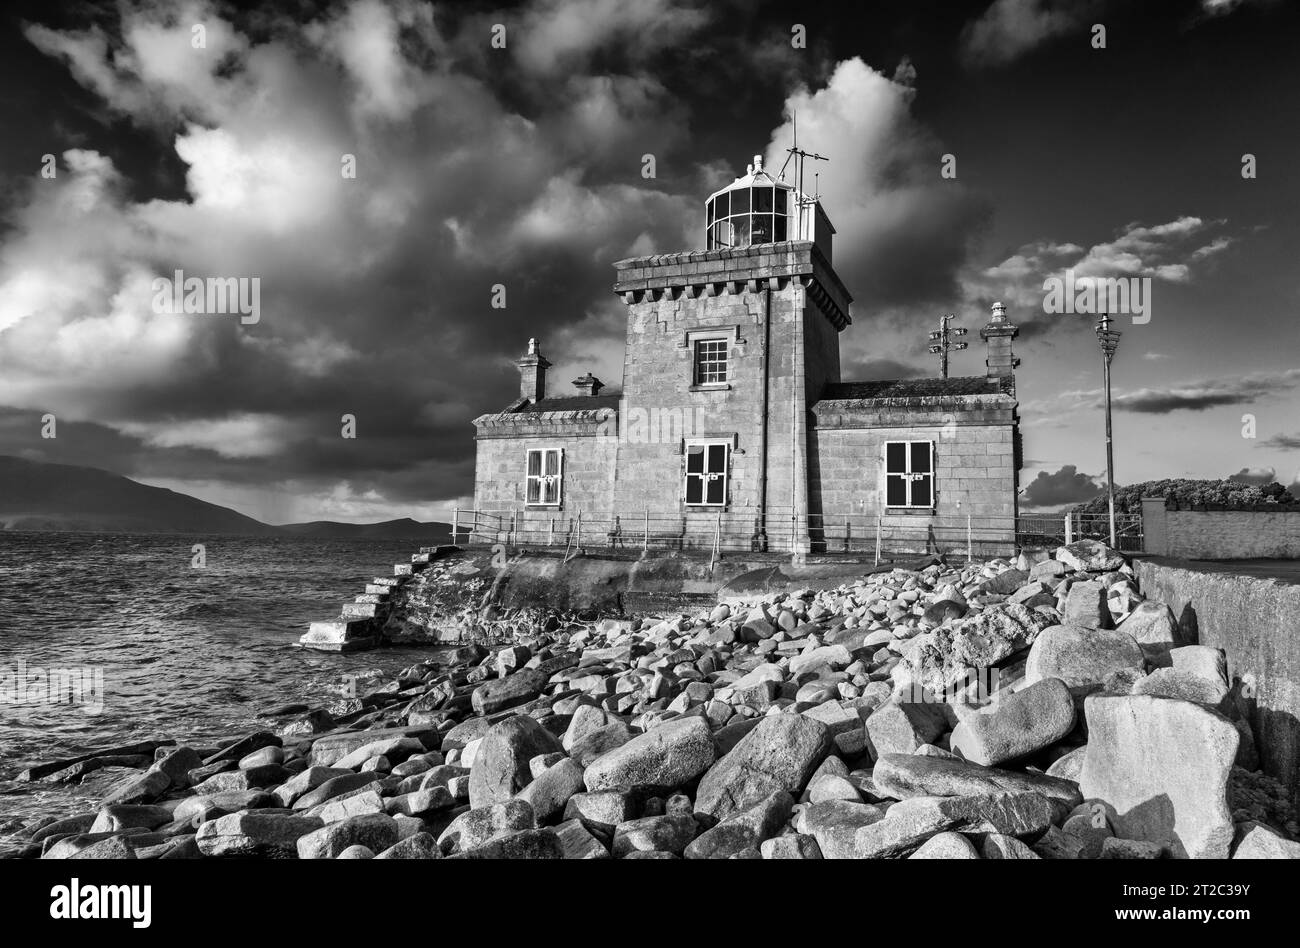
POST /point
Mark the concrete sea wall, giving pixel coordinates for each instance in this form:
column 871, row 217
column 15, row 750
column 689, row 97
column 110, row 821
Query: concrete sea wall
column 1257, row 624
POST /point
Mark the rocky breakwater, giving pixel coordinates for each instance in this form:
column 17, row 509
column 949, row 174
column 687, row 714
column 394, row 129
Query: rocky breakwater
column 444, row 595
column 1035, row 709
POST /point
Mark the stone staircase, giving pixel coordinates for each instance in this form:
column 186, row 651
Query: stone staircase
column 361, row 621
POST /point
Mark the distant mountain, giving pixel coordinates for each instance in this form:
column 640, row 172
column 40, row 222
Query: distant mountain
column 43, row 497
column 404, row 529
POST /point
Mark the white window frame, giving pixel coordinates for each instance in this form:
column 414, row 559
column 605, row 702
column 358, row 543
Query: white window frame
column 543, row 479
column 910, row 477
column 696, row 339
column 724, row 475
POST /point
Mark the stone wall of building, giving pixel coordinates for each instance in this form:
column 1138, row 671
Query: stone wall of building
column 671, row 299
column 590, row 448
column 975, row 471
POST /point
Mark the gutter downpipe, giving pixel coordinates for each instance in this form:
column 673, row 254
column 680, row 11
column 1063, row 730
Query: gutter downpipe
column 760, row 536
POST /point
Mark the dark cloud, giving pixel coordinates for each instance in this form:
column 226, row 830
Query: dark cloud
column 1214, row 393
column 474, row 168
column 1064, row 486
column 1285, row 442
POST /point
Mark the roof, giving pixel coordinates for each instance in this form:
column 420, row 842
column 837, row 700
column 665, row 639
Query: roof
column 918, row 388
column 571, row 403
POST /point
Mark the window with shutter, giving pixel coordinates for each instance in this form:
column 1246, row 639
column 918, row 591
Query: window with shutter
column 706, row 473
column 909, row 474
column 544, row 477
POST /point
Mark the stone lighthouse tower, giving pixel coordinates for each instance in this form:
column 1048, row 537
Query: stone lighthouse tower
column 727, row 349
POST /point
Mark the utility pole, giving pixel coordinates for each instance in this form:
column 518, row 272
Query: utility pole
column 1109, row 340
column 943, row 334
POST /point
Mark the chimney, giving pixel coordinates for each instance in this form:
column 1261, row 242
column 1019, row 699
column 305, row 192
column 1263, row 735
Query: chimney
column 532, row 373
column 998, row 335
column 588, row 384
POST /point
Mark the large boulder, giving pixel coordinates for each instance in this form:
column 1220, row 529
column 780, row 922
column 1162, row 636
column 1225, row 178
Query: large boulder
column 900, row 727
column 902, row 776
column 1154, row 628
column 1081, row 657
column 666, row 757
column 511, row 691
column 946, row 845
column 1254, row 840
column 835, row 823
column 266, row 836
column 1091, row 556
column 1016, row 724
column 780, row 753
column 1085, row 605
column 935, row 664
column 747, row 829
column 375, row 831
column 550, row 791
column 475, row 827
column 500, row 768
column 1178, row 683
column 1162, row 766
column 909, row 823
column 666, row 833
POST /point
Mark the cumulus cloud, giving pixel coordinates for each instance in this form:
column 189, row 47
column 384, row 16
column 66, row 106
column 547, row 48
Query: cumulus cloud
column 902, row 232
column 1172, row 253
column 1254, row 475
column 472, row 169
column 375, row 290
column 1064, row 486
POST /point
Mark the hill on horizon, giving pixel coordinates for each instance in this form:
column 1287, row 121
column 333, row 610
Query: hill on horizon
column 40, row 496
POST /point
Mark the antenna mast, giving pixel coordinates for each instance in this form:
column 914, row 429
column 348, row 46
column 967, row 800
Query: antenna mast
column 794, row 151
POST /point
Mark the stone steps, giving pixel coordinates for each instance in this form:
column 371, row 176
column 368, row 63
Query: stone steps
column 341, row 635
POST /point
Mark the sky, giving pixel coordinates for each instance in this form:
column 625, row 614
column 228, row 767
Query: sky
column 1102, row 137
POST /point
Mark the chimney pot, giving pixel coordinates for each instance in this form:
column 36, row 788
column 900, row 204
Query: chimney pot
column 532, row 373
column 588, row 384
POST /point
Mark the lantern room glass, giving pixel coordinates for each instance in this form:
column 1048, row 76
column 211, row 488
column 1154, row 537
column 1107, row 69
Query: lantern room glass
column 743, row 217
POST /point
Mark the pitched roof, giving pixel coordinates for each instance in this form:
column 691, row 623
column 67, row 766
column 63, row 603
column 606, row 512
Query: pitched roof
column 917, row 388
column 571, row 403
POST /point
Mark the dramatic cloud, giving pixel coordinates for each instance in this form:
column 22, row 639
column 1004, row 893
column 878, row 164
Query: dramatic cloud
column 1064, row 486
column 1284, row 442
column 1254, row 475
column 1167, row 253
column 375, row 290
column 474, row 168
column 902, row 232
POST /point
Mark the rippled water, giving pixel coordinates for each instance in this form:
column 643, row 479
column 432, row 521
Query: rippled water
column 187, row 653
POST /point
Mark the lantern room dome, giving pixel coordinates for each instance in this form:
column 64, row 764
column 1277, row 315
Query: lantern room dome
column 760, row 209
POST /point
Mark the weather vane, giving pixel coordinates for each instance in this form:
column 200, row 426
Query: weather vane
column 941, row 339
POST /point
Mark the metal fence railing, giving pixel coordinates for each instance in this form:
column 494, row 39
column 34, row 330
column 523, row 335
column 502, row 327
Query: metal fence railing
column 741, row 530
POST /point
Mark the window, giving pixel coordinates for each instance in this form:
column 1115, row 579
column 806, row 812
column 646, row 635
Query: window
column 545, row 476
column 706, row 473
column 909, row 474
column 744, row 217
column 710, row 361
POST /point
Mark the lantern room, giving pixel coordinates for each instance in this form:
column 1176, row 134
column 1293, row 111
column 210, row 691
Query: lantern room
column 759, row 209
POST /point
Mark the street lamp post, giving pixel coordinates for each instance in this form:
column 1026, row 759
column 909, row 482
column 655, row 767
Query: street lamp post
column 1109, row 339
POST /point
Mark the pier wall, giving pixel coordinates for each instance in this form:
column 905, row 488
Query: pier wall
column 1256, row 622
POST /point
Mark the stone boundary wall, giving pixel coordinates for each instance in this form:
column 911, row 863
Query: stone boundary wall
column 1265, row 531
column 1255, row 622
